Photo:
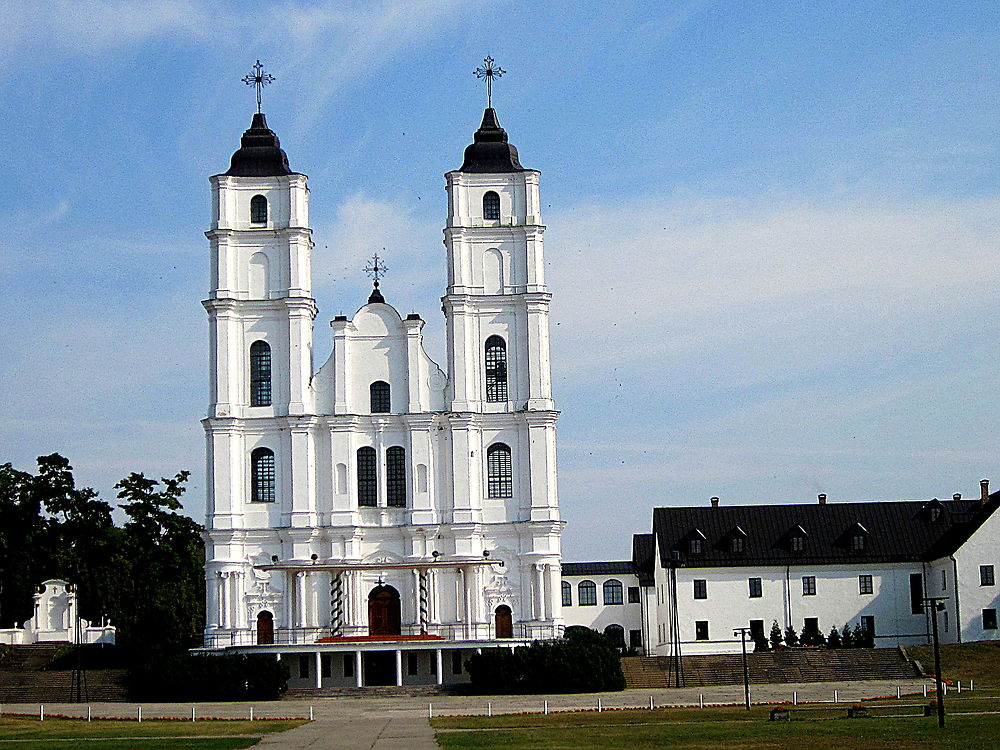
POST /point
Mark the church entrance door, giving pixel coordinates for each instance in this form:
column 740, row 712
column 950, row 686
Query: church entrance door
column 383, row 611
column 503, row 622
column 265, row 628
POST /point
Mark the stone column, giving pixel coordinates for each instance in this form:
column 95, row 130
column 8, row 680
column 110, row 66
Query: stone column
column 439, row 662
column 399, row 668
column 539, row 593
column 212, row 605
column 318, row 682
column 226, row 614
column 358, row 679
column 301, row 585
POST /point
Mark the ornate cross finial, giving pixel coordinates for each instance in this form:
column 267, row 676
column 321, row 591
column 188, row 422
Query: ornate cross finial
column 259, row 79
column 488, row 72
column 376, row 268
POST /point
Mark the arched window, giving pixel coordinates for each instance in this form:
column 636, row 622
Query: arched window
column 499, row 472
column 367, row 478
column 258, row 210
column 491, row 206
column 262, row 475
column 260, row 374
column 567, row 594
column 586, row 594
column 616, row 634
column 395, row 477
column 380, row 397
column 496, row 369
column 613, row 592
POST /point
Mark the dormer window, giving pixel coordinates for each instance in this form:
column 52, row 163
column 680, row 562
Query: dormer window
column 737, row 541
column 858, row 538
column 798, row 543
column 491, row 206
column 933, row 514
column 796, row 540
column 696, row 543
column 258, row 210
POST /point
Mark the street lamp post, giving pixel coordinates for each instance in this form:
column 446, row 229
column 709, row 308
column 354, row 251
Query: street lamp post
column 936, row 604
column 742, row 632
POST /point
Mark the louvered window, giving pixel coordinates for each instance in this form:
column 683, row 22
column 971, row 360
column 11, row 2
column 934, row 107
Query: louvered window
column 262, row 476
column 491, row 206
column 367, row 478
column 380, row 402
column 260, row 374
column 395, row 474
column 496, row 369
column 258, row 210
column 499, row 471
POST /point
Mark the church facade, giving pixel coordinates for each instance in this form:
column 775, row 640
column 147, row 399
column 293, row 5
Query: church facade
column 376, row 519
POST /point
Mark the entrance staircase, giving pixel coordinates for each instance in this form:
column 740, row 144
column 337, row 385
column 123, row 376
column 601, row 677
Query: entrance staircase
column 24, row 678
column 380, row 691
column 774, row 667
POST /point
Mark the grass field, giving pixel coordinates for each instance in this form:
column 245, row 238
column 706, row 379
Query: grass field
column 963, row 661
column 31, row 734
column 731, row 728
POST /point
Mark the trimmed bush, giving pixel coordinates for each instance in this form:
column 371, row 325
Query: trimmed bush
column 582, row 661
column 233, row 677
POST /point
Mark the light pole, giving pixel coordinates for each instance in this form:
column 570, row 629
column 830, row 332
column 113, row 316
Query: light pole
column 742, row 632
column 936, row 604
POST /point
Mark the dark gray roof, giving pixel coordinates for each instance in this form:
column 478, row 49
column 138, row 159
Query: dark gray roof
column 643, row 551
column 623, row 567
column 894, row 532
column 490, row 151
column 260, row 153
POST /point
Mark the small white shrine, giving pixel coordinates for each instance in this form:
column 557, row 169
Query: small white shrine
column 55, row 619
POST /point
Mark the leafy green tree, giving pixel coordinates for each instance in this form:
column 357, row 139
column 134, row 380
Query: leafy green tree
column 21, row 530
column 775, row 635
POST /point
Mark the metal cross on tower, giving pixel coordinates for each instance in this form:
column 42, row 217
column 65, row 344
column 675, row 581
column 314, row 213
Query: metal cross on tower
column 259, row 79
column 488, row 72
column 376, row 268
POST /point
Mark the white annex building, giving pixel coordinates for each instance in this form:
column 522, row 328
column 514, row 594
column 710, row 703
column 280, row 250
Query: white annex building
column 376, row 519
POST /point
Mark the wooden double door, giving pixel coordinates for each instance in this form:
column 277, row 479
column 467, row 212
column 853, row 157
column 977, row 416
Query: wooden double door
column 384, row 611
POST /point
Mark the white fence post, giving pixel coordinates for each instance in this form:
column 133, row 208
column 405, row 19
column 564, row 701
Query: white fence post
column 41, row 712
column 192, row 713
column 650, row 703
column 545, row 707
column 88, row 713
column 599, row 706
column 138, row 714
column 795, row 697
column 701, row 700
column 489, row 708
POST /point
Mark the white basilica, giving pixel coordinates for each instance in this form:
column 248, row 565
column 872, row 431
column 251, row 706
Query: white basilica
column 376, row 519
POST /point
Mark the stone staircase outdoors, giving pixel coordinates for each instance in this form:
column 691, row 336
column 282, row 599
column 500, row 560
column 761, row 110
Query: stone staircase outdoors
column 24, row 679
column 386, row 691
column 773, row 667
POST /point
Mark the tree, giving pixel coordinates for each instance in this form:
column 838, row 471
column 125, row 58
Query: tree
column 20, row 532
column 833, row 640
column 775, row 635
column 791, row 637
column 847, row 637
column 860, row 636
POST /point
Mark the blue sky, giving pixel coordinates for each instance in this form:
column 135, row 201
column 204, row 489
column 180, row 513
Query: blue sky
column 772, row 227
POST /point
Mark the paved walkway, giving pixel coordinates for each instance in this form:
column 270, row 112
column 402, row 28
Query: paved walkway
column 362, row 723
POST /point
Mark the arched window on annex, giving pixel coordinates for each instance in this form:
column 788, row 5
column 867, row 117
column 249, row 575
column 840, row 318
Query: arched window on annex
column 262, row 476
column 499, row 471
column 615, row 634
column 395, row 477
column 496, row 369
column 567, row 594
column 586, row 594
column 491, row 206
column 258, row 210
column 380, row 401
column 367, row 478
column 260, row 374
column 613, row 592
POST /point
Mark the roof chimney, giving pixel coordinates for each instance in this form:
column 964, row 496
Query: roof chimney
column 822, row 498
column 957, row 496
column 715, row 502
column 984, row 491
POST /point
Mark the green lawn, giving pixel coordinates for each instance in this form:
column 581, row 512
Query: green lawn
column 709, row 729
column 31, row 734
column 963, row 661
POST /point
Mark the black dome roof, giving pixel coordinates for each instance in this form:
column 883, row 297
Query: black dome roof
column 490, row 151
column 260, row 153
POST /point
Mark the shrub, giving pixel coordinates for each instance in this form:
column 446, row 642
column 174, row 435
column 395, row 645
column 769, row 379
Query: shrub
column 847, row 638
column 183, row 677
column 775, row 636
column 791, row 637
column 833, row 640
column 582, row 661
column 760, row 642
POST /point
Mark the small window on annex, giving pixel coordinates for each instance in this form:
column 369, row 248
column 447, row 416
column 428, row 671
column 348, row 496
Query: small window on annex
column 701, row 630
column 986, row 575
column 586, row 594
column 633, row 594
column 756, row 590
column 499, row 471
column 567, row 594
column 496, row 369
column 613, row 592
column 262, row 476
column 258, row 210
column 808, row 585
column 865, row 585
column 700, row 588
column 989, row 619
column 491, row 206
column 380, row 402
column 367, row 478
column 260, row 374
